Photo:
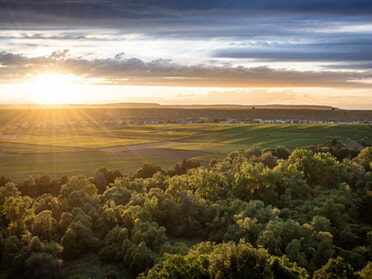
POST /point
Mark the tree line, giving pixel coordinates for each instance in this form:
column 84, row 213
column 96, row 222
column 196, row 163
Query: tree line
column 258, row 213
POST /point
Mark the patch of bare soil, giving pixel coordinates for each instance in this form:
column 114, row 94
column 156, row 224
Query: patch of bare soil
column 353, row 143
column 5, row 154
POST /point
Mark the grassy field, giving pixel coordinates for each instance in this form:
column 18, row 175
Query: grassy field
column 70, row 151
column 77, row 141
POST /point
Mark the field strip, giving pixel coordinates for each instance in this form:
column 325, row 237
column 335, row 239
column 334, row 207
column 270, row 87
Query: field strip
column 15, row 136
column 137, row 146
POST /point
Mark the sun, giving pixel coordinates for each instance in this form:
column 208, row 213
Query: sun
column 54, row 89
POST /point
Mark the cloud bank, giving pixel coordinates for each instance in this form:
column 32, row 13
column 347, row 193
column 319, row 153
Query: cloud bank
column 133, row 71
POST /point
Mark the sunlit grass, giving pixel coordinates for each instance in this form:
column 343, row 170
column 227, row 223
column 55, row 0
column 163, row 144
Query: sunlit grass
column 79, row 141
column 20, row 148
column 208, row 147
column 72, row 150
column 72, row 163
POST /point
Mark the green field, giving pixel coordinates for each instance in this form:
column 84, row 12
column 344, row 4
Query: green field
column 83, row 150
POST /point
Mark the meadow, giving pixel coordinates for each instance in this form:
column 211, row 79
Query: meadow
column 83, row 150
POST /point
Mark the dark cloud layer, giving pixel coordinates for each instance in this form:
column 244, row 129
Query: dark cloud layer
column 332, row 6
column 302, row 56
column 355, row 66
column 93, row 11
column 348, row 48
column 134, row 71
column 356, row 51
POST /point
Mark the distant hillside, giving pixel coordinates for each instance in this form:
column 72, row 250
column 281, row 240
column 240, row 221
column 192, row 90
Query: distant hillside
column 146, row 112
column 157, row 106
column 79, row 106
column 296, row 107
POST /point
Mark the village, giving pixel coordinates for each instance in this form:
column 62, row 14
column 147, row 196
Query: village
column 57, row 124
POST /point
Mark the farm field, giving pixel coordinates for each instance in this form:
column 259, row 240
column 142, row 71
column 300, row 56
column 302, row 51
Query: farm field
column 68, row 151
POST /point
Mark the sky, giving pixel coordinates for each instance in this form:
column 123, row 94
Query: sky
column 246, row 52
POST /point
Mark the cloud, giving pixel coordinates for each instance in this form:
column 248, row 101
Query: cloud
column 347, row 6
column 299, row 31
column 358, row 66
column 164, row 72
column 336, row 47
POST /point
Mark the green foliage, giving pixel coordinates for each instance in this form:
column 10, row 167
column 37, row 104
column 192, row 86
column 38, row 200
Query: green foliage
column 7, row 191
column 258, row 213
column 78, row 192
column 13, row 255
column 366, row 272
column 4, row 180
column 78, row 239
column 118, row 192
column 42, row 266
column 320, row 169
column 112, row 251
column 337, row 269
column 43, row 225
column 147, row 170
column 39, row 185
column 227, row 260
column 111, row 275
column 184, row 166
column 19, row 213
column 77, row 183
column 109, row 175
column 280, row 152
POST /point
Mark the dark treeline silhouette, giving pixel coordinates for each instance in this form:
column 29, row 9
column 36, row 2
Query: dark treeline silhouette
column 258, row 213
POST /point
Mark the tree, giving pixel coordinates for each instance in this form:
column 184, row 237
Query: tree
column 184, row 166
column 19, row 212
column 112, row 251
column 43, row 225
column 4, row 180
column 42, row 266
column 47, row 202
column 325, row 249
column 366, row 272
column 76, row 183
column 226, row 260
column 335, row 269
column 320, row 169
column 78, row 238
column 78, row 192
column 147, row 170
column 7, row 191
column 13, row 255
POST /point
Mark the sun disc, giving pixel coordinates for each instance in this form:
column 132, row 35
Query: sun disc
column 54, row 89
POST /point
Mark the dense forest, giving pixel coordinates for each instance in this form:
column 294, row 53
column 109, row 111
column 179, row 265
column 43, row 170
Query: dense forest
column 258, row 213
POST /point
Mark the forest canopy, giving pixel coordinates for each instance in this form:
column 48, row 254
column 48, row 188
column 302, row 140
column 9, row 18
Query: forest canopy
column 258, row 213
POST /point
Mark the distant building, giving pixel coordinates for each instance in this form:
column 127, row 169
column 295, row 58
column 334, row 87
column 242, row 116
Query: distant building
column 258, row 120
